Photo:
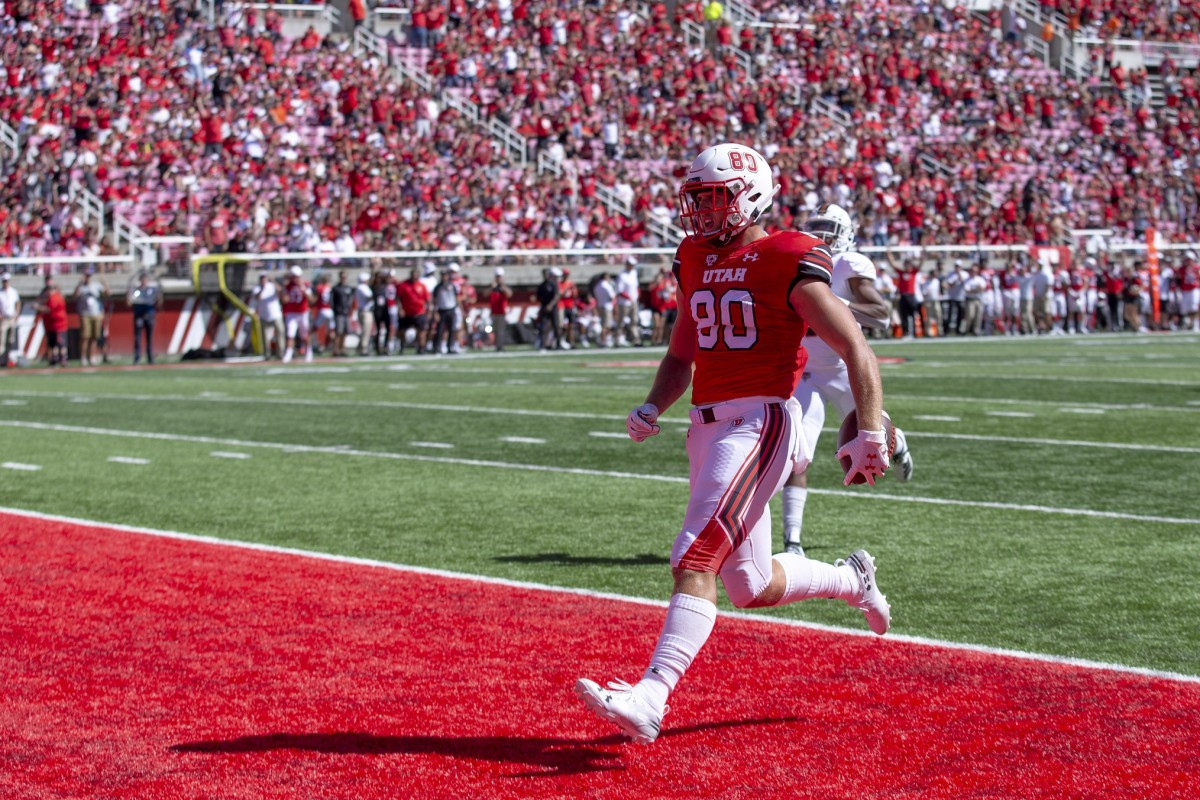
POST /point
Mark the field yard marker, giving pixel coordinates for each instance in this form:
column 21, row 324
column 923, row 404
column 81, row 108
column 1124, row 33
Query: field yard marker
column 1082, row 411
column 15, row 403
column 487, row 580
column 1055, row 403
column 608, row 434
column 678, row 479
column 19, row 467
column 935, row 418
column 128, row 460
column 339, row 388
column 226, row 454
column 1020, row 414
column 526, row 412
column 434, row 445
column 522, row 440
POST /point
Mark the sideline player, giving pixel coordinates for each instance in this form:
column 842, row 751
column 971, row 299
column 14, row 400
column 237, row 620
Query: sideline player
column 825, row 378
column 748, row 297
column 296, row 297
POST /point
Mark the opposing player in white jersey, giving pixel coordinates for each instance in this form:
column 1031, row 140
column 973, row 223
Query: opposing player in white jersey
column 825, row 378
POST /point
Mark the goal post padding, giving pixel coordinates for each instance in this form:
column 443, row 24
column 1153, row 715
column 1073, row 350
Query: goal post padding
column 220, row 281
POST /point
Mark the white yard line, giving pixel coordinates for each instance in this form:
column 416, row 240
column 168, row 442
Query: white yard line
column 522, row 439
column 138, row 462
column 526, row 412
column 471, row 462
column 447, row 574
column 987, row 401
column 19, row 467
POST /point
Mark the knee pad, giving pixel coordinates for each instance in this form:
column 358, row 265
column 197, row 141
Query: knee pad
column 743, row 586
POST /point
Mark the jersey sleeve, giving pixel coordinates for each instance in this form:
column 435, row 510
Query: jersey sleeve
column 860, row 265
column 817, row 263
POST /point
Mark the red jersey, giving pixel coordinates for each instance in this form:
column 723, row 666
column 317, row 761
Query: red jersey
column 413, row 297
column 295, row 297
column 1189, row 278
column 324, row 294
column 736, row 302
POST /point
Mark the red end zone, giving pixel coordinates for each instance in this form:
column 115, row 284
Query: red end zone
column 139, row 666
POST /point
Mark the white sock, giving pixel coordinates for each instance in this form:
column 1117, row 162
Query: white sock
column 807, row 578
column 794, row 498
column 689, row 622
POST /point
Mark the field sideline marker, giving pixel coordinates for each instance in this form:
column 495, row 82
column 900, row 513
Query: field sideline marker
column 474, row 462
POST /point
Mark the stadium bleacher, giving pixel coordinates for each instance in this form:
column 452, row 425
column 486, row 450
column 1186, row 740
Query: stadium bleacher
column 928, row 119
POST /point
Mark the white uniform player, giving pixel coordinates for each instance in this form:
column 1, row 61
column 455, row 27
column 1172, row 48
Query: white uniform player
column 825, row 378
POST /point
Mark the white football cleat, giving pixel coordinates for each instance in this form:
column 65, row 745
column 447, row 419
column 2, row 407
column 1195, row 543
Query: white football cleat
column 870, row 600
column 618, row 703
column 902, row 457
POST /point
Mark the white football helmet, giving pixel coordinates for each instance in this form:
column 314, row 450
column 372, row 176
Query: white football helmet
column 726, row 190
column 832, row 224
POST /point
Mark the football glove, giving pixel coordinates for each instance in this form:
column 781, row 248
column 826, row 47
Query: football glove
column 640, row 423
column 868, row 456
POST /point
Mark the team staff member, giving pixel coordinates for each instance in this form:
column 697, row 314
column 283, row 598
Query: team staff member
column 498, row 299
column 341, row 302
column 748, row 298
column 364, row 305
column 90, row 296
column 413, row 299
column 53, row 307
column 10, row 312
column 144, row 300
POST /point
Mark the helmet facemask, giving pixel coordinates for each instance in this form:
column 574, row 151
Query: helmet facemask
column 728, row 188
column 717, row 211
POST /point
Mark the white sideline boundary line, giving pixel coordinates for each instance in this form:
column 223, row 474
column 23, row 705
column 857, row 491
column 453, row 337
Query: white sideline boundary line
column 483, row 579
column 475, row 462
column 528, row 412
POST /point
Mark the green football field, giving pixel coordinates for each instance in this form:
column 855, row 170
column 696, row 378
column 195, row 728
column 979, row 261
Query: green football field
column 1052, row 508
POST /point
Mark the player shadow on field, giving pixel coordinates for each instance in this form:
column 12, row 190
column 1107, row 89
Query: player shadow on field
column 566, row 559
column 555, row 756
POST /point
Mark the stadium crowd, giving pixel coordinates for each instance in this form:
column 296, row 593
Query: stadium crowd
column 949, row 129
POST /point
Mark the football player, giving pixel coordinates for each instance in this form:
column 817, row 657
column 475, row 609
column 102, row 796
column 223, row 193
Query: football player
column 296, row 297
column 747, row 298
column 825, row 378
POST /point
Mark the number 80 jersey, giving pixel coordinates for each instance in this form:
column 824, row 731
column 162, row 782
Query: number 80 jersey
column 748, row 335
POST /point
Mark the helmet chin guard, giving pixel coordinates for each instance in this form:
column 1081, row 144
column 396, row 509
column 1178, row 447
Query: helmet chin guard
column 727, row 189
